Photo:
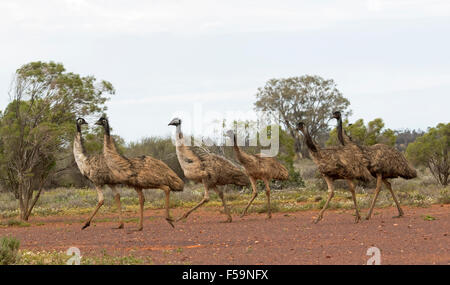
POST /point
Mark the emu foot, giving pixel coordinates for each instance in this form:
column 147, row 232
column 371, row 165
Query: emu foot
column 228, row 220
column 170, row 221
column 319, row 218
column 119, row 227
column 269, row 216
column 357, row 219
column 397, row 217
column 139, row 229
column 87, row 224
column 243, row 214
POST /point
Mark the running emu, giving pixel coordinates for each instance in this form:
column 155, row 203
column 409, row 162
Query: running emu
column 144, row 172
column 259, row 167
column 384, row 162
column 95, row 169
column 210, row 169
column 336, row 163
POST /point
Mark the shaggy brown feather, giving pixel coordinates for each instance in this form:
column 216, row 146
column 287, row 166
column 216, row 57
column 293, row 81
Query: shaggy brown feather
column 384, row 162
column 95, row 169
column 212, row 170
column 143, row 172
column 382, row 159
column 389, row 162
column 259, row 167
column 199, row 165
column 92, row 167
column 337, row 163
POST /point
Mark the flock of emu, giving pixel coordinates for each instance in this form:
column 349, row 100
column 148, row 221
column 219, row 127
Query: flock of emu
column 348, row 161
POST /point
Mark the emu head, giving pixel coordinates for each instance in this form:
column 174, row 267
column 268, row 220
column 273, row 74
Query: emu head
column 175, row 122
column 336, row 115
column 81, row 121
column 103, row 121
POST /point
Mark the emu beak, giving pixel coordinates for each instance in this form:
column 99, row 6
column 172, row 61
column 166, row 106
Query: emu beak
column 99, row 122
column 173, row 122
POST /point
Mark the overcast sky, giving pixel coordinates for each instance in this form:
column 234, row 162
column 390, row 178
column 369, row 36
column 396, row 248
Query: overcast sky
column 390, row 58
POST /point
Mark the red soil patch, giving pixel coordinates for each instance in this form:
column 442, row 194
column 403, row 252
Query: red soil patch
column 289, row 238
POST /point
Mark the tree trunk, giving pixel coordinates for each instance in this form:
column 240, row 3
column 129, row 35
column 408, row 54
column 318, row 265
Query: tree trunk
column 297, row 145
column 23, row 208
column 33, row 203
column 25, row 197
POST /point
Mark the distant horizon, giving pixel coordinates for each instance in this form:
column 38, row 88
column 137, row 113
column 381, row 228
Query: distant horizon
column 388, row 58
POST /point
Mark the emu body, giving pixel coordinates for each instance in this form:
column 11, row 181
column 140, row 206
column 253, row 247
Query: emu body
column 337, row 163
column 142, row 172
column 212, row 170
column 259, row 167
column 385, row 162
column 95, row 169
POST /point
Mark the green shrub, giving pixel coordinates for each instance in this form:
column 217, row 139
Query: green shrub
column 9, row 248
column 17, row 223
column 295, row 180
column 428, row 218
column 444, row 197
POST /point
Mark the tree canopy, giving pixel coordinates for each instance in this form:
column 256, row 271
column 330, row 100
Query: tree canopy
column 371, row 134
column 39, row 123
column 432, row 150
column 310, row 99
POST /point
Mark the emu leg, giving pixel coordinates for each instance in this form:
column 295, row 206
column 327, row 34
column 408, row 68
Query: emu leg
column 254, row 194
column 389, row 186
column 203, row 201
column 269, row 211
column 119, row 205
column 225, row 208
column 99, row 204
column 330, row 196
column 168, row 218
column 352, row 189
column 141, row 206
column 377, row 191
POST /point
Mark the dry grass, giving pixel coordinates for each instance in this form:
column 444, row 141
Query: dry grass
column 421, row 192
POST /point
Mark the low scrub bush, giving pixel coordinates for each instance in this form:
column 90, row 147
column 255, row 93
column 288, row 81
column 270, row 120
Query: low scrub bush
column 9, row 248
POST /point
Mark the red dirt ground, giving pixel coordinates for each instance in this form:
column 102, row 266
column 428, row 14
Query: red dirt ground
column 288, row 238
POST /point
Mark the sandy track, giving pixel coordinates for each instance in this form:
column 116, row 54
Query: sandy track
column 285, row 239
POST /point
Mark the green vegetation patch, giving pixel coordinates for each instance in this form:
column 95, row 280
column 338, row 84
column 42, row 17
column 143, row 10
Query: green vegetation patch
column 9, row 248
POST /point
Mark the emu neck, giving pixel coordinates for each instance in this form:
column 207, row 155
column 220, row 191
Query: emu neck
column 79, row 153
column 108, row 143
column 78, row 145
column 178, row 132
column 235, row 144
column 179, row 141
column 340, row 131
column 106, row 129
column 309, row 142
column 236, row 148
